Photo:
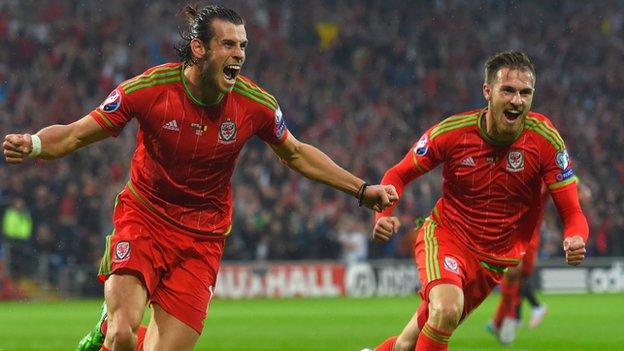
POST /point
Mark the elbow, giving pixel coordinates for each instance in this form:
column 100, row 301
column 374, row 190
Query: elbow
column 294, row 158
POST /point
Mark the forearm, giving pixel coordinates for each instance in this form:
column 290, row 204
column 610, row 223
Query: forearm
column 59, row 140
column 574, row 221
column 313, row 164
column 399, row 176
column 56, row 141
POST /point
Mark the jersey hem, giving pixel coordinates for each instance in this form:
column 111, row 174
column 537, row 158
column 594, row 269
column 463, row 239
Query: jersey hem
column 198, row 232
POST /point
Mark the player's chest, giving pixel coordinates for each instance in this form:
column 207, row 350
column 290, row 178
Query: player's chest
column 196, row 135
column 482, row 168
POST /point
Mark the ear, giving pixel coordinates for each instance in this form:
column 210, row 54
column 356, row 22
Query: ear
column 197, row 48
column 487, row 91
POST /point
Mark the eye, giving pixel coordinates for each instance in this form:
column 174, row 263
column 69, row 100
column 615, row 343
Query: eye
column 508, row 90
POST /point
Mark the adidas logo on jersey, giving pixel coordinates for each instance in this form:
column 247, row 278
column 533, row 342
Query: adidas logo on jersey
column 468, row 161
column 172, row 125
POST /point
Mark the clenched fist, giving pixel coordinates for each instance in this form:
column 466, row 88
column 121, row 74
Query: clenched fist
column 574, row 248
column 385, row 228
column 17, row 147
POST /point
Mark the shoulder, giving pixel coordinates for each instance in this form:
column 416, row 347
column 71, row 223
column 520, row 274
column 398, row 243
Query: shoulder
column 253, row 96
column 158, row 76
column 543, row 129
column 455, row 123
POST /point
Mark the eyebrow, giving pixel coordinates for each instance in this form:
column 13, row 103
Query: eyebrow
column 509, row 87
column 226, row 40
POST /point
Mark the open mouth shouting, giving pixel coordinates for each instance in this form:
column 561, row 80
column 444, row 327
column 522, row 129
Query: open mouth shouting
column 511, row 115
column 230, row 72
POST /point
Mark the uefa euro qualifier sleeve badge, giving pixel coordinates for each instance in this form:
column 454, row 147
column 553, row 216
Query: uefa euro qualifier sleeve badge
column 112, row 102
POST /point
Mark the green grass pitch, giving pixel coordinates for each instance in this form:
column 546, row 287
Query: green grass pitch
column 575, row 322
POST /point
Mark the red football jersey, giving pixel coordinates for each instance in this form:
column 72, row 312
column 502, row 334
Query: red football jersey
column 186, row 151
column 491, row 191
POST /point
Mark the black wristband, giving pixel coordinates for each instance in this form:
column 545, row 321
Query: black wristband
column 360, row 193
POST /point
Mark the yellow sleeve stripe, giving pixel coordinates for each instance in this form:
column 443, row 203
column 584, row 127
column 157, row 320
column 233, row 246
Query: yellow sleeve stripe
column 561, row 184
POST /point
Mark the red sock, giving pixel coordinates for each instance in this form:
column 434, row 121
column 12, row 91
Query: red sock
column 103, row 348
column 510, row 298
column 141, row 337
column 387, row 345
column 432, row 339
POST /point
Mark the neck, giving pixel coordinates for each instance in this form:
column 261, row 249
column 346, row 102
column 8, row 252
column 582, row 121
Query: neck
column 487, row 124
column 206, row 94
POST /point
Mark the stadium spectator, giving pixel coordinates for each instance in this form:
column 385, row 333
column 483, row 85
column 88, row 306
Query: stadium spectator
column 17, row 228
column 353, row 238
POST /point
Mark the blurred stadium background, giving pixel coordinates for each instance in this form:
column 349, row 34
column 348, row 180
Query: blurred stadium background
column 360, row 79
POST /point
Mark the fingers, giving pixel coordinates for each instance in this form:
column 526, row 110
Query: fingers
column 382, row 232
column 13, row 160
column 384, row 200
column 378, row 197
column 385, row 228
column 381, row 236
column 385, row 224
column 396, row 224
column 375, row 198
column 575, row 257
column 575, row 251
column 17, row 142
column 13, row 157
column 393, row 196
column 10, row 145
column 13, row 138
column 15, row 148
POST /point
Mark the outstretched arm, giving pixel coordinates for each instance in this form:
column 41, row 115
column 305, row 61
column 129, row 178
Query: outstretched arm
column 399, row 176
column 314, row 164
column 575, row 228
column 55, row 141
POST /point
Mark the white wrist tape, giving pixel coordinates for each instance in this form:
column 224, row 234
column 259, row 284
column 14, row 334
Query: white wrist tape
column 36, row 146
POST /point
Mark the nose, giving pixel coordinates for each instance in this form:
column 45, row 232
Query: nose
column 239, row 54
column 517, row 99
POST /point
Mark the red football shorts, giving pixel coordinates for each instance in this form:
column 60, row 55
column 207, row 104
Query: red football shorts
column 441, row 259
column 179, row 270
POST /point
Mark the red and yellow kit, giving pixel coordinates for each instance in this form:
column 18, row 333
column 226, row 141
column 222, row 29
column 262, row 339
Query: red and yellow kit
column 491, row 191
column 186, row 151
column 491, row 201
column 171, row 219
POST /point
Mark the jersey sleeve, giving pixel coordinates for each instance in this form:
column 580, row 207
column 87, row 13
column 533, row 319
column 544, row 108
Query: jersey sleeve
column 273, row 128
column 574, row 221
column 423, row 156
column 113, row 114
column 558, row 171
column 428, row 152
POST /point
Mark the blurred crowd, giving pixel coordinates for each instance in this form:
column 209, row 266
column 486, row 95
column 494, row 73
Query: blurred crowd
column 360, row 79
